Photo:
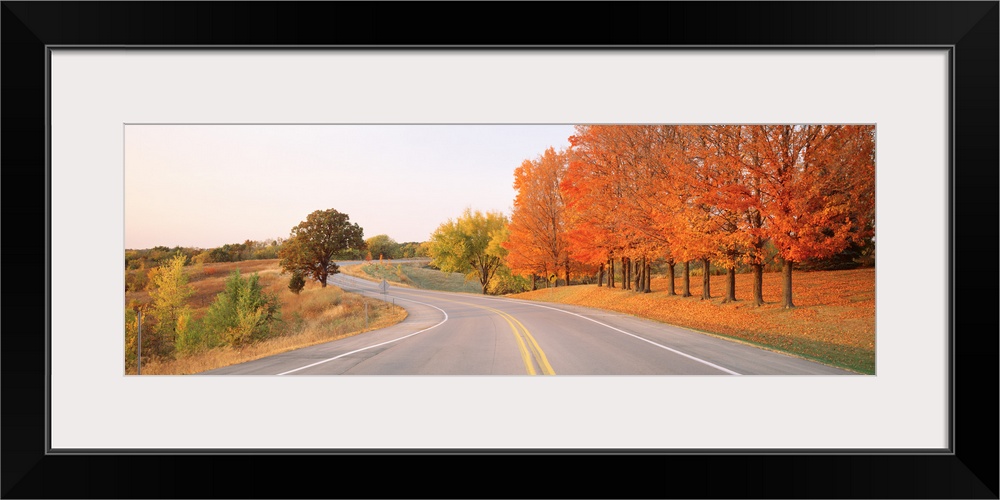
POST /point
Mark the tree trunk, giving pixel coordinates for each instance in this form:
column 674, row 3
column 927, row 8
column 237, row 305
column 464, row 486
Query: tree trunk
column 626, row 284
column 786, row 285
column 636, row 276
column 632, row 279
column 758, row 284
column 706, row 280
column 686, row 281
column 624, row 268
column 730, row 285
column 611, row 273
column 670, row 282
column 630, row 274
column 322, row 281
column 566, row 271
column 534, row 284
column 640, row 278
column 647, row 266
column 600, row 276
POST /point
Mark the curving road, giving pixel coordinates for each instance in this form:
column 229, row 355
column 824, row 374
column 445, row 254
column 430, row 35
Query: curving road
column 462, row 334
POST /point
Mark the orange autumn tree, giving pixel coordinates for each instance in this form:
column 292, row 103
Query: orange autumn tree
column 537, row 244
column 593, row 193
column 610, row 192
column 703, row 223
column 728, row 188
column 632, row 196
column 666, row 202
column 680, row 215
column 820, row 183
column 750, row 199
column 587, row 237
column 638, row 149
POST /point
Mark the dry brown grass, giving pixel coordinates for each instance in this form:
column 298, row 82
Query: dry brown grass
column 314, row 316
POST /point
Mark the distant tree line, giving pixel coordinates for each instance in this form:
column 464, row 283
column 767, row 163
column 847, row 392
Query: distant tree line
column 140, row 263
column 382, row 246
column 230, row 252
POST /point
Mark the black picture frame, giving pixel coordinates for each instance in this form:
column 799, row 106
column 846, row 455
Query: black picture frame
column 969, row 470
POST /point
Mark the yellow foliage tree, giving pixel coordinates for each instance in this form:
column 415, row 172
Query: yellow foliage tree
column 170, row 291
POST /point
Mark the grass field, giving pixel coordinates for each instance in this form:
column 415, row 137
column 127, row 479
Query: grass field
column 833, row 321
column 415, row 275
column 314, row 316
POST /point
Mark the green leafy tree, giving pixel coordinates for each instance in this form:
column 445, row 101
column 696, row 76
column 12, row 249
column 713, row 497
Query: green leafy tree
column 470, row 244
column 191, row 337
column 170, row 291
column 313, row 244
column 242, row 313
column 383, row 246
column 411, row 249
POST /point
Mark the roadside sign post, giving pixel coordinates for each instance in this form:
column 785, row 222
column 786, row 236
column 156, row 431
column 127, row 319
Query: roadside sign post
column 384, row 286
column 138, row 355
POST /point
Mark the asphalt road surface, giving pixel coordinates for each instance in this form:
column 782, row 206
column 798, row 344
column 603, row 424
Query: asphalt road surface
column 464, row 334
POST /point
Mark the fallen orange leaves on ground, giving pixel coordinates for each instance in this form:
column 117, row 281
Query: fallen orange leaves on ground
column 834, row 321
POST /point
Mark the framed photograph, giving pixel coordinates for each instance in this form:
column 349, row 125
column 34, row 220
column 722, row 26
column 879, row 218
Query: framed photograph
column 82, row 79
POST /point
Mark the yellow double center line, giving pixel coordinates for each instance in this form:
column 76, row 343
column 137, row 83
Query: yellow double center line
column 524, row 347
column 526, row 344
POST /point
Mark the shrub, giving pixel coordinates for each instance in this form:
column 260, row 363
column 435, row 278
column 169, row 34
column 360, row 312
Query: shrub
column 505, row 282
column 297, row 282
column 268, row 252
column 186, row 337
column 243, row 312
column 131, row 338
column 136, row 280
column 202, row 258
column 192, row 336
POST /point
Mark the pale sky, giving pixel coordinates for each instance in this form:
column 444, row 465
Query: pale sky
column 208, row 185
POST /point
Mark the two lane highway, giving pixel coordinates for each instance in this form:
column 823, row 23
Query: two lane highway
column 464, row 334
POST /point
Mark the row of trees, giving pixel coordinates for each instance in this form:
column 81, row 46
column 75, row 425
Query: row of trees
column 627, row 194
column 237, row 252
column 230, row 252
column 382, row 246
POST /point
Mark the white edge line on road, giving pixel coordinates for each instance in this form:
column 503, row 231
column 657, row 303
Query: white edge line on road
column 376, row 345
column 675, row 351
